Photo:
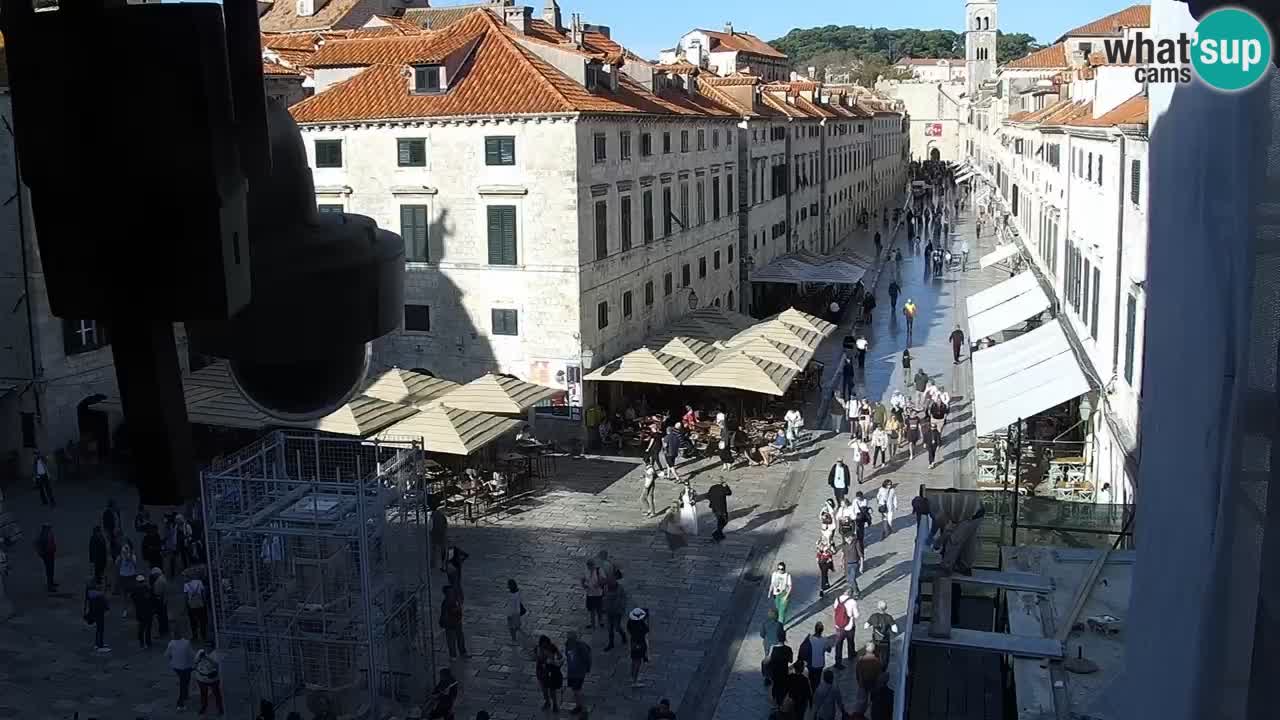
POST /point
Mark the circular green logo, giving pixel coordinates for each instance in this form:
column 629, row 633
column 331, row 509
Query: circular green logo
column 1232, row 49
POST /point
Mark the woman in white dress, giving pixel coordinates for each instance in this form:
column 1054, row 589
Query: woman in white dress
column 688, row 512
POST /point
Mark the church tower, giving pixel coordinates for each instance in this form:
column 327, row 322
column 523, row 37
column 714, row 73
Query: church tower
column 979, row 42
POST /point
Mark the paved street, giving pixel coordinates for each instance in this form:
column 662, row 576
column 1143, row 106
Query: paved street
column 704, row 601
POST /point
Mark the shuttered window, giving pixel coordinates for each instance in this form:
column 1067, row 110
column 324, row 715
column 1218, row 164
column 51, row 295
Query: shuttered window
column 626, row 304
column 1131, row 327
column 500, row 150
column 413, row 228
column 502, row 234
column 715, row 197
column 328, row 153
column 505, row 322
column 1097, row 286
column 624, row 223
column 1135, row 182
column 602, row 229
column 411, row 152
column 602, row 315
column 648, row 293
column 646, row 207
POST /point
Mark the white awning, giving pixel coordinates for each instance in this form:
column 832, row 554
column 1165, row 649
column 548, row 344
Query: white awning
column 1011, row 311
column 983, row 301
column 1023, row 377
column 1000, row 254
column 964, row 176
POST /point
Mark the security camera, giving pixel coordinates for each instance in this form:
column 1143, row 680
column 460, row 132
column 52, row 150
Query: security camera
column 323, row 287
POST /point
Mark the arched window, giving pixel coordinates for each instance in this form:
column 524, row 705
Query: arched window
column 977, row 23
column 986, row 23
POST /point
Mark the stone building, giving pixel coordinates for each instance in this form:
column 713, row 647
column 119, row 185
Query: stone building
column 729, row 52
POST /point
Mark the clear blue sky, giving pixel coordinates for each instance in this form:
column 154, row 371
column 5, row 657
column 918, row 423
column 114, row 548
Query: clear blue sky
column 647, row 26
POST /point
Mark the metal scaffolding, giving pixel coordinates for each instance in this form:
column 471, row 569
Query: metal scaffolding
column 319, row 568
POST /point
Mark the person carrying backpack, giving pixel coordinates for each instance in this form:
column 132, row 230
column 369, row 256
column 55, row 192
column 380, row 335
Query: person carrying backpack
column 193, row 594
column 208, row 667
column 577, row 664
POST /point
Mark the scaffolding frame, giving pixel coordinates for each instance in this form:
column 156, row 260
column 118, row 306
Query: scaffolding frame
column 319, row 573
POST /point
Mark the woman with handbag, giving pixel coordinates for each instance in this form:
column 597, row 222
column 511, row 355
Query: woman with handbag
column 825, row 557
column 549, row 673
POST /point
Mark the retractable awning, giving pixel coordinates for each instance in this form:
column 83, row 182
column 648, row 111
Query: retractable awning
column 1024, row 376
column 1000, row 254
column 1019, row 302
column 800, row 268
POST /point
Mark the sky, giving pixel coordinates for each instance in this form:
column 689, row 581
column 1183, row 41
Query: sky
column 647, row 26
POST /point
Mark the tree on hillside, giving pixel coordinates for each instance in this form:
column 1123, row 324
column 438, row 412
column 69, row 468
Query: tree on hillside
column 806, row 45
column 1011, row 46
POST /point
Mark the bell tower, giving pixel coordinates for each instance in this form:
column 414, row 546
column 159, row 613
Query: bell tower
column 979, row 42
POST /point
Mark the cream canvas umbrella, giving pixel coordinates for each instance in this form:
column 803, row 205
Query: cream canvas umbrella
column 691, row 349
column 449, row 430
column 408, row 387
column 774, row 352
column 782, row 332
column 740, row 371
column 799, row 319
column 362, row 417
column 501, row 394
column 646, row 366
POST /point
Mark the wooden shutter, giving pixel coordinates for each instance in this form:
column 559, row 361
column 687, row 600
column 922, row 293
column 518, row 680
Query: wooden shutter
column 406, row 153
column 1135, row 182
column 502, row 235
column 413, row 228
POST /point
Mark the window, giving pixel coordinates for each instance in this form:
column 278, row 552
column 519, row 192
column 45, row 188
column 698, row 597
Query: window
column 646, row 210
column 666, row 284
column 500, row 150
column 417, row 318
column 1084, row 306
column 702, row 267
column 715, row 197
column 1131, row 327
column 666, row 143
column 684, row 205
column 702, row 202
column 715, row 260
column 505, row 322
column 602, row 229
column 729, row 206
column 646, row 144
column 426, row 79
column 1135, row 182
column 666, row 211
column 328, row 153
column 624, row 144
column 335, row 209
column 624, row 221
column 502, row 234
column 626, row 304
column 81, row 336
column 684, row 141
column 600, row 147
column 702, row 139
column 730, row 248
column 648, row 293
column 602, row 315
column 715, row 138
column 1099, row 168
column 730, row 301
column 1086, row 48
column 413, row 228
column 411, row 152
column 1097, row 284
column 1088, row 168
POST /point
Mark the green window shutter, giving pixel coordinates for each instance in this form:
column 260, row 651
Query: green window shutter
column 502, row 235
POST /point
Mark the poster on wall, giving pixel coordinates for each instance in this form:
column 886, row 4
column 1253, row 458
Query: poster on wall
column 565, row 404
column 933, row 130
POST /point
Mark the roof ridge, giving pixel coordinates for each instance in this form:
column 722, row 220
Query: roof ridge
column 532, row 62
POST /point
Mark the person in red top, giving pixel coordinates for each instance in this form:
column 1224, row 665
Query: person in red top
column 47, row 549
column 690, row 416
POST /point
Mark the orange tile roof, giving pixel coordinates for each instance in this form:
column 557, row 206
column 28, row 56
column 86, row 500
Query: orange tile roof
column 1130, row 112
column 1050, row 58
column 291, row 41
column 277, row 70
column 678, row 68
column 1067, row 113
column 742, row 42
column 283, row 16
column 718, row 81
column 406, row 27
column 439, row 18
column 1134, row 16
column 500, row 78
column 398, row 49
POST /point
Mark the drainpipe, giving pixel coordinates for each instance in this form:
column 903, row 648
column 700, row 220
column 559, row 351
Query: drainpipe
column 1115, row 345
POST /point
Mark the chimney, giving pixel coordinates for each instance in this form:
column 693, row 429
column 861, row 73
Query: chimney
column 551, row 15
column 728, row 28
column 517, row 18
column 575, row 30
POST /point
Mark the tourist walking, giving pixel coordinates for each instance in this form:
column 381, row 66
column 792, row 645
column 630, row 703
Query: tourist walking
column 547, row 669
column 454, row 558
column 771, row 634
column 647, row 482
column 615, row 606
column 861, row 456
column 577, row 664
column 777, row 667
column 861, row 346
column 438, row 524
column 921, row 382
column 47, row 549
column 839, row 479
column 593, row 584
column 193, row 595
column 673, row 529
column 867, row 673
column 515, row 610
column 847, row 376
column 957, row 342
column 964, row 255
column 159, row 586
column 451, row 622
column 96, row 608
column 208, row 668
column 794, row 424
column 799, row 695
column 638, row 629
column 883, row 629
column 886, row 504
column 443, row 696
column 846, row 617
column 879, row 446
column 813, row 651
column 825, row 555
column 828, row 703
column 40, row 475
column 112, row 528
column 661, row 711
column 718, row 498
column 909, row 312
column 143, row 607
column 182, row 659
column 671, row 446
column 906, row 367
column 912, row 434
column 894, row 289
column 932, row 439
column 126, row 571
column 854, row 555
column 780, row 591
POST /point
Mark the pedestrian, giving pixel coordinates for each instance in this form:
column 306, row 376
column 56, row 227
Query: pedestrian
column 143, row 607
column 879, row 446
column 868, row 306
column 647, row 481
column 438, row 523
column 772, row 634
column 126, row 571
column 845, row 518
column 96, row 607
column 886, row 504
column 443, row 696
column 40, row 476
column 882, row 699
column 847, row 375
column 718, row 498
column 182, row 659
column 964, row 255
column 193, row 594
column 592, row 583
column 638, row 629
column 909, row 312
column 158, row 584
column 799, row 694
column 912, row 434
column 615, row 606
column 894, row 430
column 861, row 455
column 834, row 309
column 671, row 446
column 827, row 700
column 577, row 664
column 932, row 439
column 813, row 651
column 867, row 673
column 780, row 591
column 938, row 411
column 451, row 622
column 957, row 341
column 46, row 547
column 845, row 611
column 978, row 228
column 454, row 558
column 207, row 670
column 515, row 610
column 111, row 526
column 673, row 528
column 839, row 478
column 661, row 711
column 854, row 555
column 825, row 555
column 266, row 711
column 921, row 382
column 794, row 423
column 861, row 346
column 894, row 289
column 878, row 244
column 98, row 553
column 883, row 629
column 928, row 259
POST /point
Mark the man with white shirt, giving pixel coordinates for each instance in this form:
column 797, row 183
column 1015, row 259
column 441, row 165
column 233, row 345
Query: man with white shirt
column 964, row 255
column 861, row 345
column 839, row 479
column 898, row 401
column 846, row 616
column 795, row 422
column 813, row 651
column 886, row 503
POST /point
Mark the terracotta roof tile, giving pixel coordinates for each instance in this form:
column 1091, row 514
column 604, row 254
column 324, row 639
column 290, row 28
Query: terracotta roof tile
column 398, row 49
column 291, row 41
column 1134, row 16
column 277, row 70
column 677, row 68
column 283, row 16
column 1067, row 113
column 1050, row 58
column 406, row 27
column 439, row 18
column 717, row 81
column 742, row 42
column 1130, row 112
